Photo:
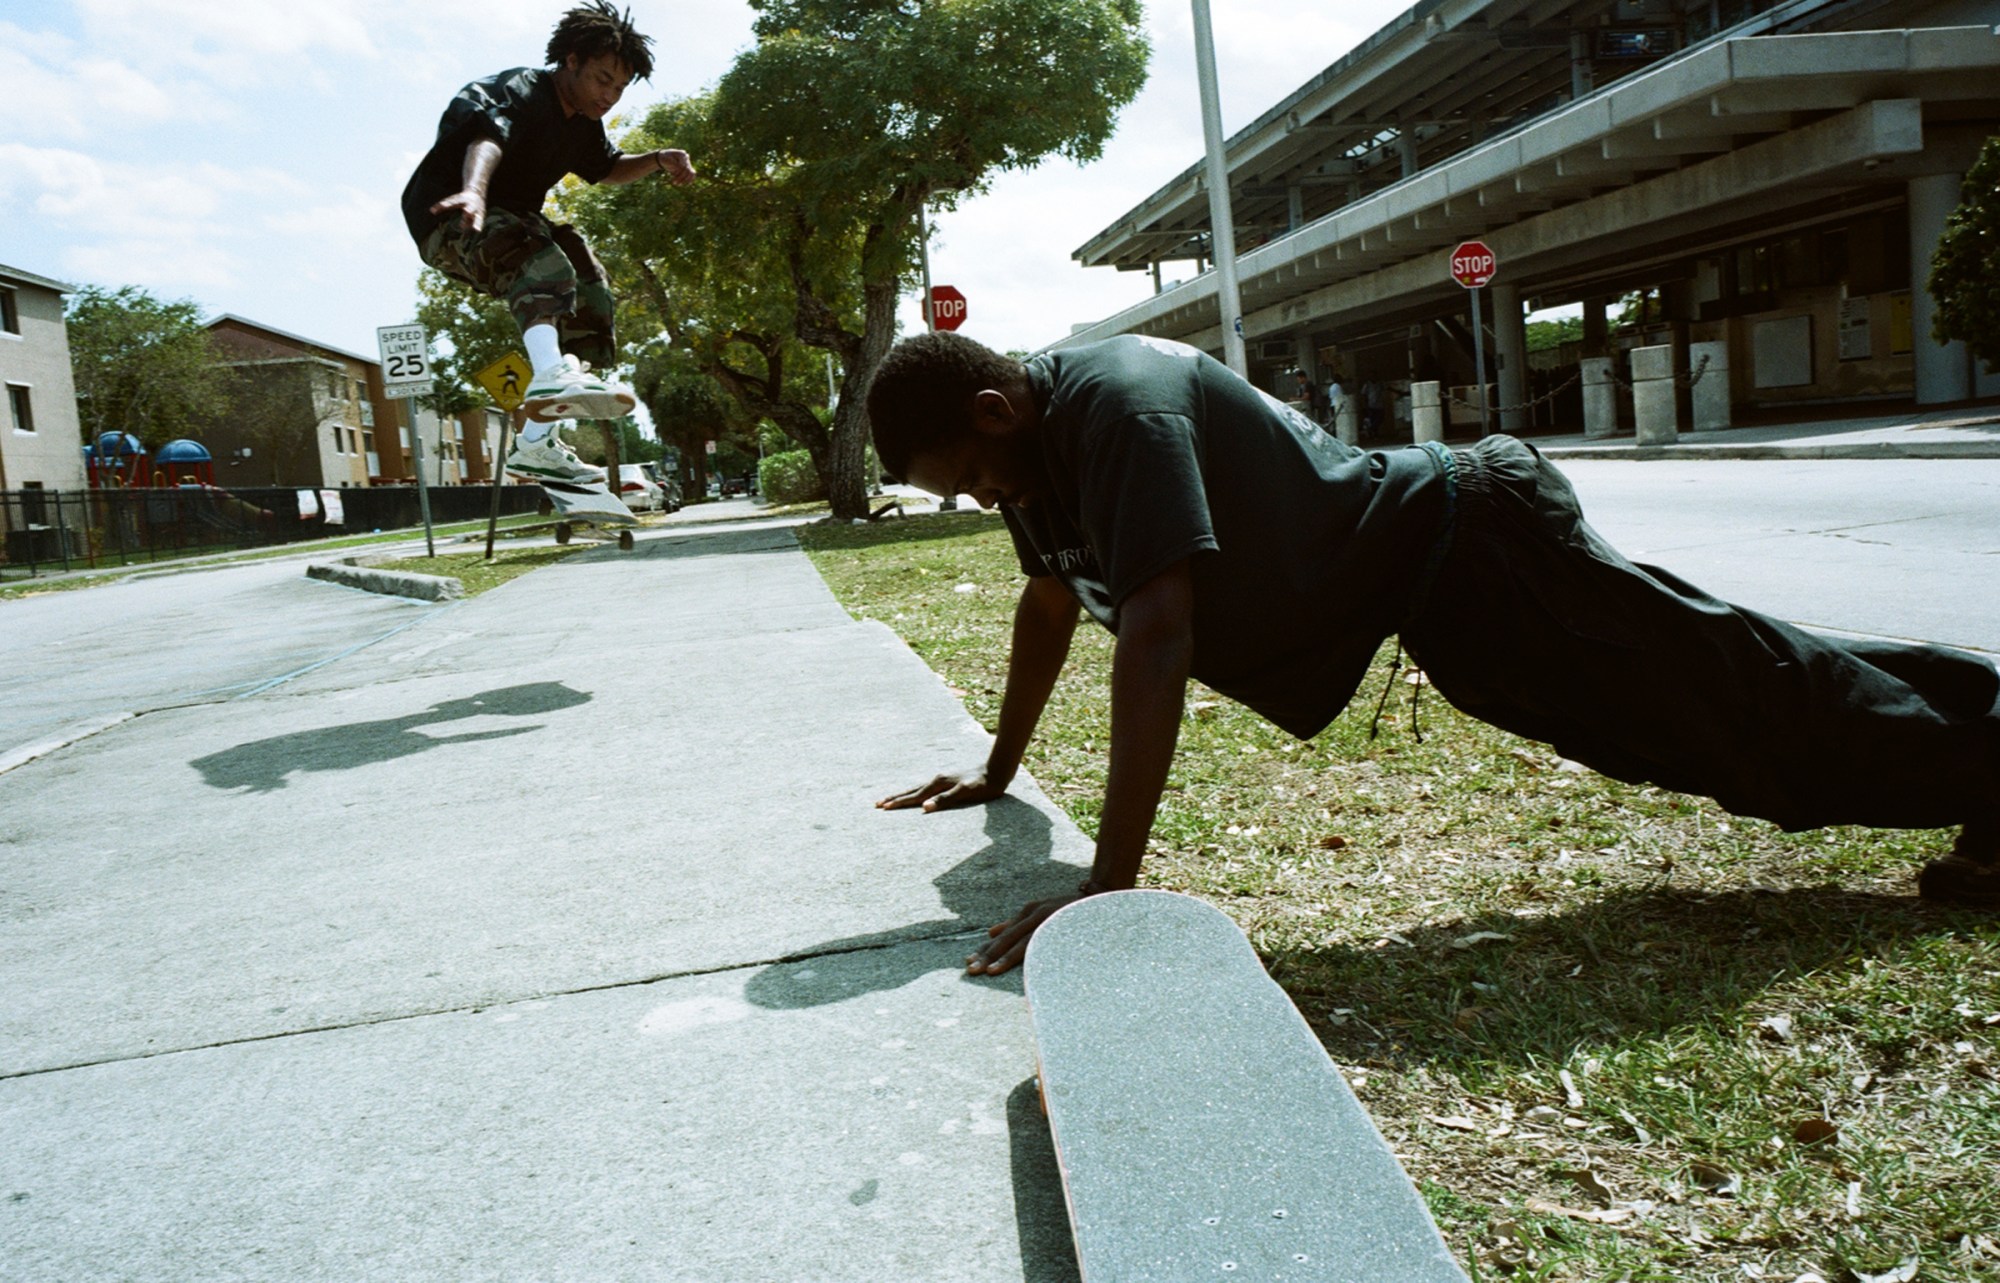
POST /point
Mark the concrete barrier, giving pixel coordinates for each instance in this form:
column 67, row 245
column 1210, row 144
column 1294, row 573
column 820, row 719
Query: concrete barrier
column 1711, row 390
column 1600, row 398
column 1653, row 404
column 1426, row 412
column 1347, row 421
column 395, row 583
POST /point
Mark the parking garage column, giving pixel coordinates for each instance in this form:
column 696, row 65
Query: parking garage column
column 1944, row 370
column 1510, row 335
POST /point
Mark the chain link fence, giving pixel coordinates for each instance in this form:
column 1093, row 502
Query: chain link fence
column 50, row 531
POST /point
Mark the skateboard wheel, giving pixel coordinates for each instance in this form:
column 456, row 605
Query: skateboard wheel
column 625, row 540
column 563, row 532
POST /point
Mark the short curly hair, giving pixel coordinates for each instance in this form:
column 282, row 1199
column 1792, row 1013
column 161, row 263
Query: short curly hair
column 921, row 396
column 597, row 28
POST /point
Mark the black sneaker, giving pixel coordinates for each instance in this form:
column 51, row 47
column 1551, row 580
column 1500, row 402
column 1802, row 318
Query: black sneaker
column 1970, row 876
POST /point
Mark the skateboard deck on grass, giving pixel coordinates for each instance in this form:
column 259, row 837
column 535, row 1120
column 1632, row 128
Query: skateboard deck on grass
column 1201, row 1130
column 588, row 504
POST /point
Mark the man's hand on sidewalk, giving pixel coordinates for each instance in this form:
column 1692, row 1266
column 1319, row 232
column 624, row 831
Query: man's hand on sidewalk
column 961, row 788
column 1009, row 944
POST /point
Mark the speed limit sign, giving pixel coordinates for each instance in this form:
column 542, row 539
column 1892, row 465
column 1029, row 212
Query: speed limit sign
column 406, row 360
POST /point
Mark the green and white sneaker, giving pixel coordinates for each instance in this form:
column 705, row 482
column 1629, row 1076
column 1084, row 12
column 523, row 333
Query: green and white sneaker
column 550, row 459
column 571, row 391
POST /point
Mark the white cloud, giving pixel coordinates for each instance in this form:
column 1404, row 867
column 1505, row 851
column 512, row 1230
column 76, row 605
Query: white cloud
column 76, row 95
column 173, row 266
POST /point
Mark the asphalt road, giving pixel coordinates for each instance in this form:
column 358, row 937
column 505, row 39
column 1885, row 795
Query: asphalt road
column 1896, row 548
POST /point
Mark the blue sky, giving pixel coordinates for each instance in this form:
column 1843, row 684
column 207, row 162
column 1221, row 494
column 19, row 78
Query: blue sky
column 248, row 154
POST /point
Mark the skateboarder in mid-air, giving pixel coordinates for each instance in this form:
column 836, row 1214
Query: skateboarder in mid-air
column 1223, row 536
column 475, row 208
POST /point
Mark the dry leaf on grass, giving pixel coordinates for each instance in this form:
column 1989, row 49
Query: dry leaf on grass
column 1589, row 1182
column 1815, row 1131
column 1716, row 1181
column 1598, row 1216
column 1456, row 1122
column 1478, row 938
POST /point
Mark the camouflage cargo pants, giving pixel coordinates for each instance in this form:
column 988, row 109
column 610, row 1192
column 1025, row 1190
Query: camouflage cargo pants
column 542, row 271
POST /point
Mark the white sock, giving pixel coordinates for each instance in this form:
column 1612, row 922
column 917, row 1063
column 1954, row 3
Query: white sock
column 544, row 351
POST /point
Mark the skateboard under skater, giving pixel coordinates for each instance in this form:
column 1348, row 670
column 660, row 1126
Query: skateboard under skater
column 588, row 505
column 1201, row 1130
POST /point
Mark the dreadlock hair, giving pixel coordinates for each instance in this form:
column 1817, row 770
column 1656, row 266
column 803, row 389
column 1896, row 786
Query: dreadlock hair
column 921, row 396
column 590, row 30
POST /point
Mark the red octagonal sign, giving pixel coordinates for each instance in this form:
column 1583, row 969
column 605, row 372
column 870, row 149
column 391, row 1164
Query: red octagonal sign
column 1472, row 264
column 947, row 307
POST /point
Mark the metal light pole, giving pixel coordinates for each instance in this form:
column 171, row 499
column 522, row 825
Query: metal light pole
column 1221, row 221
column 947, row 503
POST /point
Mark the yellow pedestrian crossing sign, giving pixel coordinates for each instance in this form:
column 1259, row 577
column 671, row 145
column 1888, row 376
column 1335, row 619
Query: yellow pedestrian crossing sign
column 506, row 380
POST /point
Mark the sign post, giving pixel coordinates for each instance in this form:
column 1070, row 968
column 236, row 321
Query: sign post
column 1473, row 265
column 946, row 503
column 506, row 381
column 406, row 373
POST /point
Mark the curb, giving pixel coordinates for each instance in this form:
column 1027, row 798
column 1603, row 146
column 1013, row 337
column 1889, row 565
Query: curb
column 1857, row 450
column 394, row 583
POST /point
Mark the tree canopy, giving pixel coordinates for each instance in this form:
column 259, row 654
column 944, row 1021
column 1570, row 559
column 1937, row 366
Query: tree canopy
column 143, row 365
column 1965, row 267
column 818, row 150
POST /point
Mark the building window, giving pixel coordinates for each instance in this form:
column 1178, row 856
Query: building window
column 367, row 414
column 353, row 441
column 22, row 410
column 10, row 311
column 338, row 441
column 34, row 510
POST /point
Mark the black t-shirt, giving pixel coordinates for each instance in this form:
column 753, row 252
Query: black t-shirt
column 538, row 145
column 1305, row 552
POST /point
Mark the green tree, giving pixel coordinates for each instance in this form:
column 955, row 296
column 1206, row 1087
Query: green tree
column 704, row 289
column 143, row 365
column 1965, row 267
column 820, row 148
column 867, row 112
column 689, row 410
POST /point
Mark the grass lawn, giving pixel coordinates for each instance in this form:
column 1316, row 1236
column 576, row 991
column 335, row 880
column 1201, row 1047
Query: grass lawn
column 478, row 574
column 1613, row 1031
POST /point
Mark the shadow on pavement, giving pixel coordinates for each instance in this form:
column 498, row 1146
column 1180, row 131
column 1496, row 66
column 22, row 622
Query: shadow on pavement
column 1041, row 1216
column 1013, row 868
column 261, row 766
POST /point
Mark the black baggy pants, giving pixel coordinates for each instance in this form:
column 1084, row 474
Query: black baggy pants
column 1535, row 624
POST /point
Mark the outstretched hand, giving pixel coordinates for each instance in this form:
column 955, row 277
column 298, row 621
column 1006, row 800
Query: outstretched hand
column 674, row 163
column 960, row 788
column 469, row 205
column 1009, row 940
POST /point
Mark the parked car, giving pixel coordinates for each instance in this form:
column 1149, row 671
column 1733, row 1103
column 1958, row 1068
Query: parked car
column 669, row 484
column 637, row 489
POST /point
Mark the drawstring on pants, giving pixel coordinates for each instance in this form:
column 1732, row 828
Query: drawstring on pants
column 1395, row 668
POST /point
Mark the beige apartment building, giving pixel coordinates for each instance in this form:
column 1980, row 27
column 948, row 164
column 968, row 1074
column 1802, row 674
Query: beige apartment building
column 41, row 439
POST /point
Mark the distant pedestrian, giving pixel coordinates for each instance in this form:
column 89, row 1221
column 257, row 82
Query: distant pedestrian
column 1336, row 399
column 474, row 207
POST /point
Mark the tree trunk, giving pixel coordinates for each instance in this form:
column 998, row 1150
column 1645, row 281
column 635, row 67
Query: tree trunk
column 847, row 475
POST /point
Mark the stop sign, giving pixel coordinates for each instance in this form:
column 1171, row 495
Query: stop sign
column 947, row 307
column 1472, row 264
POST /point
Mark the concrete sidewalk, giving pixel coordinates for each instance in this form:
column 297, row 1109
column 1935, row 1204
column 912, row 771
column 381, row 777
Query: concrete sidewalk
column 552, row 936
